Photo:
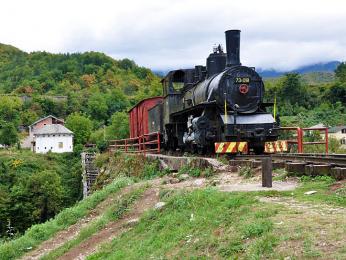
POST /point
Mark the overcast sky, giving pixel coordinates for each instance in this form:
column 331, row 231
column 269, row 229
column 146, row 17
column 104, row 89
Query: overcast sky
column 164, row 34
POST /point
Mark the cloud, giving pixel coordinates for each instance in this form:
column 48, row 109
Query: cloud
column 180, row 33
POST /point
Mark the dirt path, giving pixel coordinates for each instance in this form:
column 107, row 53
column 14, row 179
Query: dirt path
column 65, row 235
column 113, row 229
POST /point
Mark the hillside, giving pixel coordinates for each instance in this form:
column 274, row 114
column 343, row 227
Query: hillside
column 92, row 86
column 60, row 74
column 192, row 214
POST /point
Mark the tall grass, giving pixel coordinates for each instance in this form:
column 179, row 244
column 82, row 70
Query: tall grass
column 69, row 216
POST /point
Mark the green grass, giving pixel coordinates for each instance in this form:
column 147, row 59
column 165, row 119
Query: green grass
column 202, row 223
column 321, row 184
column 210, row 224
column 279, row 175
column 112, row 213
column 324, row 194
column 41, row 232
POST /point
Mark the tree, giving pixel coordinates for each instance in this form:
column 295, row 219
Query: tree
column 8, row 134
column 119, row 127
column 340, row 72
column 97, row 107
column 81, row 127
column 337, row 93
column 9, row 109
column 45, row 187
column 28, row 117
column 293, row 91
column 127, row 64
column 116, row 101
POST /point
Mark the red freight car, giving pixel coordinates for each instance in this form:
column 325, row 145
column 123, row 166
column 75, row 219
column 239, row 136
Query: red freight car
column 138, row 116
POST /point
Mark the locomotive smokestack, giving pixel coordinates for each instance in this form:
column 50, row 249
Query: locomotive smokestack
column 233, row 47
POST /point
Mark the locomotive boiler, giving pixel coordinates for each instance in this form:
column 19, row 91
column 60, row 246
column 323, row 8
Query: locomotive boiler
column 214, row 108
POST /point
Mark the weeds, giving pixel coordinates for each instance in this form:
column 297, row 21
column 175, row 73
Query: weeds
column 223, row 159
column 257, row 228
column 280, row 175
column 196, row 172
column 247, row 172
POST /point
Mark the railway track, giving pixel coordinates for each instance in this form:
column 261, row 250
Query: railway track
column 298, row 164
column 313, row 158
column 332, row 159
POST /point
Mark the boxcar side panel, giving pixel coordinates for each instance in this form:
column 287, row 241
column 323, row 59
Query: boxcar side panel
column 138, row 116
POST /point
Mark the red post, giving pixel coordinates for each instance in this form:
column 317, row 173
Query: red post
column 143, row 144
column 300, row 139
column 326, row 139
column 158, row 142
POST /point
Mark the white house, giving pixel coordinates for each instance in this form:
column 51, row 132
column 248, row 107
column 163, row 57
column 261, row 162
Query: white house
column 48, row 120
column 55, row 138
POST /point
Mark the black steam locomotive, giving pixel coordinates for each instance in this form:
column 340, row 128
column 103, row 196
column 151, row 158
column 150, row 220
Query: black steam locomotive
column 216, row 104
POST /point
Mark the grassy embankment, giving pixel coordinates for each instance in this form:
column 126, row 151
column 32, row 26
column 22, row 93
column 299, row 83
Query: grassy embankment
column 113, row 213
column 207, row 223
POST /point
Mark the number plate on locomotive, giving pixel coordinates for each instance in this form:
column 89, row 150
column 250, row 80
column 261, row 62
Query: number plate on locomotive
column 241, row 80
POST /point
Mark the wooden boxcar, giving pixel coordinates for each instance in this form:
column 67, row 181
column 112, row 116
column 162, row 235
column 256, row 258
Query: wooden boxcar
column 138, row 116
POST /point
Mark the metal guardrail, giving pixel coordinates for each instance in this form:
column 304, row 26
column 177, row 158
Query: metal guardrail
column 300, row 137
column 147, row 143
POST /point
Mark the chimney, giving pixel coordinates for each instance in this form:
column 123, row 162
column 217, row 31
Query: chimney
column 233, row 47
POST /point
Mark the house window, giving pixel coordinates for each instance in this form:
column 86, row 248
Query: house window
column 61, row 145
column 343, row 131
column 45, row 148
column 343, row 141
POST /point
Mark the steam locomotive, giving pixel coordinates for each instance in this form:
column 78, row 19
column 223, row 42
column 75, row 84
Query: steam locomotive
column 214, row 106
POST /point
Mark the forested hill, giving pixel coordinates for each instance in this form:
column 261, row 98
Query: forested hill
column 63, row 74
column 96, row 87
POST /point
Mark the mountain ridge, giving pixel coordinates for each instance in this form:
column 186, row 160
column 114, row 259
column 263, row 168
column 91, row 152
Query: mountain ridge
column 315, row 67
column 272, row 73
